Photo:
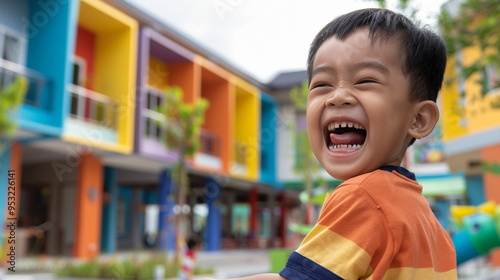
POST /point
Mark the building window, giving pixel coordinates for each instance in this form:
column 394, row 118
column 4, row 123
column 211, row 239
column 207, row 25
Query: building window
column 155, row 121
column 12, row 48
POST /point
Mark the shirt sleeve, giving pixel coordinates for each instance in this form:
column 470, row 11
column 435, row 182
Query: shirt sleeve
column 346, row 242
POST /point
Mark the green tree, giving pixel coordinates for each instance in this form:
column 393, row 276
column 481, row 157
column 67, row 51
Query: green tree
column 305, row 164
column 10, row 98
column 183, row 125
column 477, row 24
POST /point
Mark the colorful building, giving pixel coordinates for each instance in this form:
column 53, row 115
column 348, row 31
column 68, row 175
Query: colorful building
column 93, row 174
column 471, row 125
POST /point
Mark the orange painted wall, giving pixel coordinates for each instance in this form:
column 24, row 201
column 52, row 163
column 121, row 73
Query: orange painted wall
column 88, row 207
column 186, row 76
column 491, row 181
column 16, row 165
column 218, row 118
column 85, row 48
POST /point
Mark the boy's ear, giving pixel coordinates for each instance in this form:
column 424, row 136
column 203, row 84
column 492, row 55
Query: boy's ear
column 426, row 115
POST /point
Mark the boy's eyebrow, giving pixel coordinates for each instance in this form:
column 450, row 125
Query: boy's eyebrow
column 322, row 69
column 365, row 64
column 372, row 64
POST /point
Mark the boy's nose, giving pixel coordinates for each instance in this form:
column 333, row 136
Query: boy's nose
column 340, row 97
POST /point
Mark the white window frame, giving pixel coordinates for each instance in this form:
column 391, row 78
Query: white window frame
column 22, row 39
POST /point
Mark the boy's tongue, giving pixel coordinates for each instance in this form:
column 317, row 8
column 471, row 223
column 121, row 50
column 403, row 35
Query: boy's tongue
column 347, row 138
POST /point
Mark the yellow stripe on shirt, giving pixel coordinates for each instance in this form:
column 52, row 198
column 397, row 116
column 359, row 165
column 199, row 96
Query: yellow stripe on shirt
column 335, row 253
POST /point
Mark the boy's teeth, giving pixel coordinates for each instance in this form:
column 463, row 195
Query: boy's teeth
column 335, row 147
column 333, row 126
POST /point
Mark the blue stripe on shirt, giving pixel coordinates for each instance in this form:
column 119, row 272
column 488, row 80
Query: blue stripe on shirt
column 299, row 267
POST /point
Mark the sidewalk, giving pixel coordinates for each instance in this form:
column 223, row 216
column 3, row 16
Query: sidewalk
column 226, row 264
column 237, row 263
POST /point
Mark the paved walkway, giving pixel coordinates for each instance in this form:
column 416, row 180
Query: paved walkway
column 230, row 264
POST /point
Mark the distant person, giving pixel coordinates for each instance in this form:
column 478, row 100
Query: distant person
column 189, row 259
column 374, row 77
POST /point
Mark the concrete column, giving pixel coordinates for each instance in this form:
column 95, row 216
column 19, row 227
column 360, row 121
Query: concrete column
column 88, row 207
column 213, row 228
column 10, row 186
column 228, row 223
column 253, row 231
column 54, row 210
column 4, row 165
column 109, row 211
column 282, row 231
column 136, row 218
column 272, row 219
column 166, row 224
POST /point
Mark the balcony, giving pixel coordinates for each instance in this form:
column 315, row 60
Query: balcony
column 91, row 111
column 37, row 95
column 210, row 153
column 239, row 165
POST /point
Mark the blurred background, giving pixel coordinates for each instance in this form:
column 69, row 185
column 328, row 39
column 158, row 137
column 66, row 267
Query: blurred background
column 128, row 127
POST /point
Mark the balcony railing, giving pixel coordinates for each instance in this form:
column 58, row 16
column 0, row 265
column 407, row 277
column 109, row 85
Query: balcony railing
column 38, row 90
column 93, row 107
column 210, row 143
column 240, row 153
column 155, row 125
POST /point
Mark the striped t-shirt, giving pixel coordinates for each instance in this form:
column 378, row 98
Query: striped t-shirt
column 375, row 226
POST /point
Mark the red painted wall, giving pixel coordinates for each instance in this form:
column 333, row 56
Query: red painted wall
column 85, row 48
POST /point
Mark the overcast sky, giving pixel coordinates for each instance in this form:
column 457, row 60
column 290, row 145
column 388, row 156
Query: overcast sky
column 261, row 37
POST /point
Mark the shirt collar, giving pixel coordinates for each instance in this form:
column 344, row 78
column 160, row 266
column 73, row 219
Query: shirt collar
column 401, row 170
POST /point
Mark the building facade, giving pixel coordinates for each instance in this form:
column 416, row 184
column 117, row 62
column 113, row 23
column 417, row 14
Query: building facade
column 93, row 174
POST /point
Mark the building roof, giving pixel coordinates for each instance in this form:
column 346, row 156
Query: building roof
column 287, row 80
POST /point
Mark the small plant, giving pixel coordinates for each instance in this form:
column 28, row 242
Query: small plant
column 10, row 98
column 124, row 269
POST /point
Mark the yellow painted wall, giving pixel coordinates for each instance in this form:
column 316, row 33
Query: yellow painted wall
column 115, row 66
column 451, row 114
column 478, row 112
column 247, row 123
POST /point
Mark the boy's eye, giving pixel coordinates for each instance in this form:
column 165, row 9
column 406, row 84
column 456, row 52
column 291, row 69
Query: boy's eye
column 366, row 81
column 320, row 85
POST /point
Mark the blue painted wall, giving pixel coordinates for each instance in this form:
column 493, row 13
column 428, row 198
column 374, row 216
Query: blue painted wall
column 475, row 190
column 166, row 229
column 124, row 214
column 51, row 31
column 109, row 211
column 4, row 167
column 269, row 120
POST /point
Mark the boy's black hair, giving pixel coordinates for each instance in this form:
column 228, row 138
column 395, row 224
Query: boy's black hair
column 423, row 51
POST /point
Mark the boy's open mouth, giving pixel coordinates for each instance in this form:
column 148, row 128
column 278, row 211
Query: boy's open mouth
column 344, row 135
